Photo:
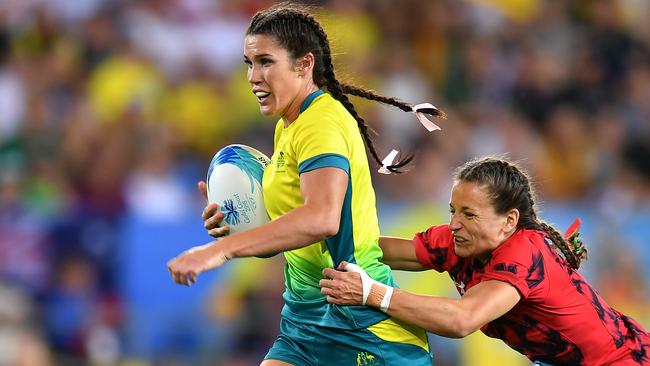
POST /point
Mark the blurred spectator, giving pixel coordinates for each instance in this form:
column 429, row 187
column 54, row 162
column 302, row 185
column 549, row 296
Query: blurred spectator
column 110, row 111
column 20, row 341
column 24, row 248
column 567, row 158
column 80, row 318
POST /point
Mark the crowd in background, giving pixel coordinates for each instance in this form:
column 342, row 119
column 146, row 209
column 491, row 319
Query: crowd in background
column 110, row 111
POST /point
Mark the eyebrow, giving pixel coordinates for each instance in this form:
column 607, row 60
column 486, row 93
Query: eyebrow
column 464, row 208
column 259, row 56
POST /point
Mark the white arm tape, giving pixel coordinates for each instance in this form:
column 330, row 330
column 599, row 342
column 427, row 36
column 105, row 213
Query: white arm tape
column 367, row 282
column 385, row 302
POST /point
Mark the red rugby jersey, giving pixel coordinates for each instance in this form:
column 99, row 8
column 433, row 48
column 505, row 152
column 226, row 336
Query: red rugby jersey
column 560, row 319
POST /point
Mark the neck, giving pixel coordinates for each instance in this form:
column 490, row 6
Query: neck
column 294, row 108
column 484, row 258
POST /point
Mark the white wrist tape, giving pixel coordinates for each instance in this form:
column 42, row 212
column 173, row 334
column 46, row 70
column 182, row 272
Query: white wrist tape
column 367, row 282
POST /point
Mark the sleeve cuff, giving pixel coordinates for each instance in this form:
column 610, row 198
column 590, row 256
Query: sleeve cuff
column 421, row 252
column 324, row 161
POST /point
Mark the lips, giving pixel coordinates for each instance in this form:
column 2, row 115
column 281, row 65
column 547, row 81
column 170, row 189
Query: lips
column 261, row 95
column 459, row 240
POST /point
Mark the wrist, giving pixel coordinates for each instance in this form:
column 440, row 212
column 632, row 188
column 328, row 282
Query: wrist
column 376, row 295
column 215, row 252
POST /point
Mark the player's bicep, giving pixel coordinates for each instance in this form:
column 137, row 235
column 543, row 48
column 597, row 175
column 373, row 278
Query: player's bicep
column 399, row 253
column 323, row 191
column 488, row 301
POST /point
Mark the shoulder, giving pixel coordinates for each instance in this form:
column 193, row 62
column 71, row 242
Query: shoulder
column 522, row 244
column 435, row 235
column 325, row 112
column 519, row 261
column 434, row 247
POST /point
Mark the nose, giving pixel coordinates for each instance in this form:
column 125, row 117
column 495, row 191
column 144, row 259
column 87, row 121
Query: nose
column 454, row 223
column 254, row 75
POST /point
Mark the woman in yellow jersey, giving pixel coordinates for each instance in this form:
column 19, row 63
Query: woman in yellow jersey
column 318, row 193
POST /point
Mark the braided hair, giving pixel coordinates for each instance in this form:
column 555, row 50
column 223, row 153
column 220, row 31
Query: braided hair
column 508, row 187
column 297, row 31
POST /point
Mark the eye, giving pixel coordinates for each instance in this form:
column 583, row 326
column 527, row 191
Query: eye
column 266, row 61
column 248, row 62
column 469, row 215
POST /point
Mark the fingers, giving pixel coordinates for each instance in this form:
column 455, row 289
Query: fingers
column 213, row 221
column 331, row 294
column 179, row 274
column 209, row 211
column 341, row 266
column 330, row 273
column 325, row 284
column 203, row 188
column 219, row 231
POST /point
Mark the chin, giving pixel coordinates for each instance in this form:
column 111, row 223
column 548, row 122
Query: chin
column 266, row 111
column 463, row 252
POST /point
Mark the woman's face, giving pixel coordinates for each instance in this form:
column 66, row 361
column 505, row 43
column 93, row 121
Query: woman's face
column 275, row 80
column 476, row 227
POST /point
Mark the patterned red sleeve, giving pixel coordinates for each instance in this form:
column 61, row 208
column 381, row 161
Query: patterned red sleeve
column 435, row 249
column 519, row 263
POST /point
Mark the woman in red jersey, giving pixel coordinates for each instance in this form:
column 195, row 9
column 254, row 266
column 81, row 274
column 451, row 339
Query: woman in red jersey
column 507, row 267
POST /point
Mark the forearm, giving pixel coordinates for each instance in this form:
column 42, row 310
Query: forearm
column 443, row 316
column 296, row 229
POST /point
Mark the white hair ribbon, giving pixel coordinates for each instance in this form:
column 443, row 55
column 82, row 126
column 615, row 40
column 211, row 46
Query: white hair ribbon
column 426, row 108
column 388, row 160
column 420, row 112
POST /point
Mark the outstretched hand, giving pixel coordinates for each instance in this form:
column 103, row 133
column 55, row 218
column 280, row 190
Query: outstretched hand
column 342, row 287
column 188, row 265
column 212, row 216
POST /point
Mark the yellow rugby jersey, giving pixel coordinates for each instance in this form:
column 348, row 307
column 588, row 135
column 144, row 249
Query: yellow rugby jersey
column 325, row 135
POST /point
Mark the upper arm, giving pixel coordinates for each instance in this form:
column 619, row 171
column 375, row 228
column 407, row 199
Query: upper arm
column 486, row 302
column 323, row 191
column 400, row 254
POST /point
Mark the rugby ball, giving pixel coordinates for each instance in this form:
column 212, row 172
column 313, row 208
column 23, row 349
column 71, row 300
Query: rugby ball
column 235, row 184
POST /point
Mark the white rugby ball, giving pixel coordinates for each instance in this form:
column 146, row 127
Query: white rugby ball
column 235, row 184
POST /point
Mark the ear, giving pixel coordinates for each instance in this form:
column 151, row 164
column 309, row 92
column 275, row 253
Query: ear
column 305, row 64
column 512, row 219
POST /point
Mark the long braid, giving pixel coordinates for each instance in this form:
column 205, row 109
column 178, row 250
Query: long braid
column 561, row 244
column 531, row 221
column 371, row 95
column 572, row 254
column 338, row 92
column 299, row 32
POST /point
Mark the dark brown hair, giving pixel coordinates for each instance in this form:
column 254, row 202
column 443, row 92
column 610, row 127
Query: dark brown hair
column 508, row 187
column 299, row 33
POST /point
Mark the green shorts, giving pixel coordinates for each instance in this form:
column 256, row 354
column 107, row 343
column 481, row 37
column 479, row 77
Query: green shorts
column 387, row 343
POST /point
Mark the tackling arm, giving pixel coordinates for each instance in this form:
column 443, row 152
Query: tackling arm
column 455, row 318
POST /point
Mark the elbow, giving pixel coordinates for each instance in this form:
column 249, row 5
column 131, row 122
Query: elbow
column 328, row 226
column 323, row 224
column 461, row 328
column 321, row 221
column 459, row 333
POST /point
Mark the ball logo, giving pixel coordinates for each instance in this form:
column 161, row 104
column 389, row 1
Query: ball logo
column 230, row 214
column 239, row 209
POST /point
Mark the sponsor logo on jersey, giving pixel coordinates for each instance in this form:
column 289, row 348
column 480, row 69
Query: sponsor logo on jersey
column 366, row 359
